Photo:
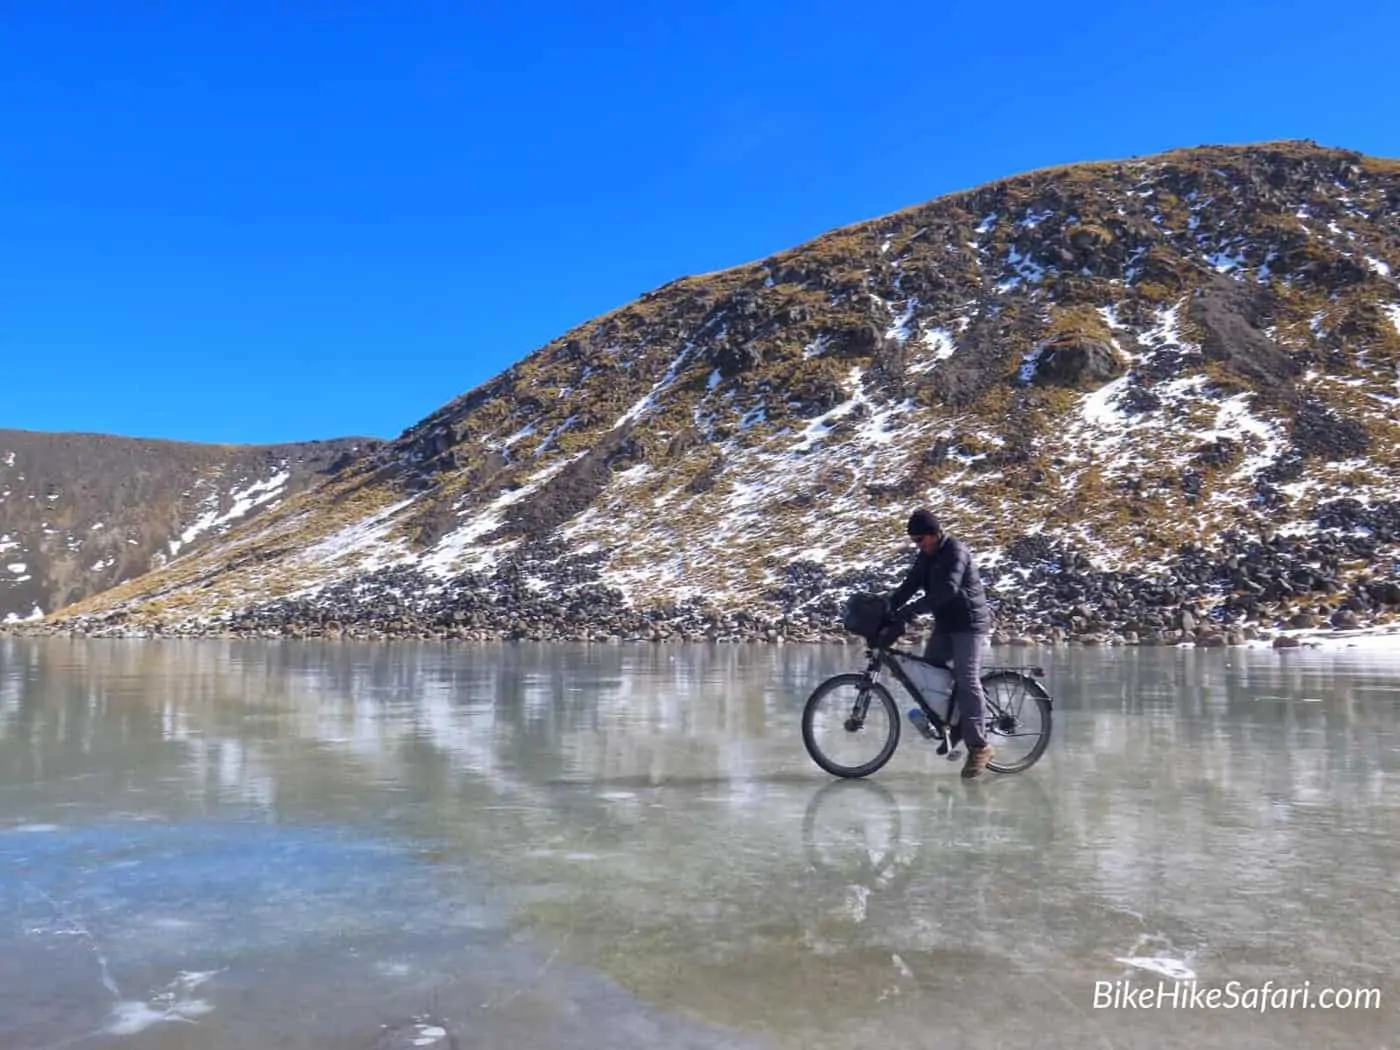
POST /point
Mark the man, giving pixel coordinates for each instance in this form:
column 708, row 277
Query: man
column 944, row 571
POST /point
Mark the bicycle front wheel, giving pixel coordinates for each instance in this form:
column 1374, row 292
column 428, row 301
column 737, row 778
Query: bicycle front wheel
column 850, row 726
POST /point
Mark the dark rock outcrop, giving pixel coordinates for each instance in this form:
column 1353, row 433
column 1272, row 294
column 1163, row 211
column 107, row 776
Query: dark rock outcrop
column 1231, row 314
column 1077, row 362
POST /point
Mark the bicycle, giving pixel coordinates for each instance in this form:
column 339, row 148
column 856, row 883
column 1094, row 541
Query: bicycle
column 1001, row 721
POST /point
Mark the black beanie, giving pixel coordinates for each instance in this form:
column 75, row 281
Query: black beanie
column 923, row 523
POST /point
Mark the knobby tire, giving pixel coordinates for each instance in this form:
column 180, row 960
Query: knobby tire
column 1038, row 695
column 877, row 693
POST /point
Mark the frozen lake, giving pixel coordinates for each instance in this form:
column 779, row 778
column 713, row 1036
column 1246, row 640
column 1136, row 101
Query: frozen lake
column 253, row 845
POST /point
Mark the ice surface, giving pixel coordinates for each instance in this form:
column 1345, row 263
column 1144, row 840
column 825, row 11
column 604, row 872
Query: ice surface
column 173, row 1003
column 482, row 830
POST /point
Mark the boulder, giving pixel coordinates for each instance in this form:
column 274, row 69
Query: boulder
column 1076, row 361
column 1345, row 620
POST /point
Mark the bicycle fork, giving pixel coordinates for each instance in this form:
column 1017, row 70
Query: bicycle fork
column 860, row 707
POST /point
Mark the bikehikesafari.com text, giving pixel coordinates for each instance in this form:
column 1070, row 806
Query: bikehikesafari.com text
column 1233, row 995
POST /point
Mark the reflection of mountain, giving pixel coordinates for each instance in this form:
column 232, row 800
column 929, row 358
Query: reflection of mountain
column 646, row 807
column 529, row 722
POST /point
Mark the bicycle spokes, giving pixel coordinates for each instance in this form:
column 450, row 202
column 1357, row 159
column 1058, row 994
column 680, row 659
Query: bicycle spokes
column 850, row 725
column 1015, row 721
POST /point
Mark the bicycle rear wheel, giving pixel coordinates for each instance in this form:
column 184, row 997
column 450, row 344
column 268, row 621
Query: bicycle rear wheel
column 850, row 725
column 1018, row 720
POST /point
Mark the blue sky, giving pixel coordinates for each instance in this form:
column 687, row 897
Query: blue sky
column 274, row 222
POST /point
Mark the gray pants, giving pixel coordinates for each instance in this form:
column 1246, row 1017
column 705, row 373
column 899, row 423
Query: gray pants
column 965, row 652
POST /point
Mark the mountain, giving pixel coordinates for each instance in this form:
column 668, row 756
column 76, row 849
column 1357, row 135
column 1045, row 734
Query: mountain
column 1157, row 396
column 80, row 513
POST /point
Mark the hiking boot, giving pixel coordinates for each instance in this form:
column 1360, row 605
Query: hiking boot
column 977, row 759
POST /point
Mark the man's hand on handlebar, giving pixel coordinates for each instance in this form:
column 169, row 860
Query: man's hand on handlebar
column 889, row 632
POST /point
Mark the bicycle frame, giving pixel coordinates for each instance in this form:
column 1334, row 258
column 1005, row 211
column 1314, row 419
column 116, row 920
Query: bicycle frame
column 882, row 659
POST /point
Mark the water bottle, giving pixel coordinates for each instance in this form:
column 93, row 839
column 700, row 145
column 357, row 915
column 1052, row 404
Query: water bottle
column 920, row 721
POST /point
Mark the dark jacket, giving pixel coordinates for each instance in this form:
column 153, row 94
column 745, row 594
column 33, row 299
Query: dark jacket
column 952, row 590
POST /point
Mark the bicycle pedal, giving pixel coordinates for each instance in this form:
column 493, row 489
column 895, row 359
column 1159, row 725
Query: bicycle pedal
column 953, row 755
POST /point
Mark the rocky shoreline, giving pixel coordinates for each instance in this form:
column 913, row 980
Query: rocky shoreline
column 1241, row 591
column 779, row 634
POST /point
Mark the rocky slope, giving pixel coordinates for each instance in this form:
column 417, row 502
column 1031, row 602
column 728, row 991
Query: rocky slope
column 80, row 513
column 1157, row 396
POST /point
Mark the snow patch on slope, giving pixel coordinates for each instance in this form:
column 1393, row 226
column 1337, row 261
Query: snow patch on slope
column 1393, row 312
column 874, row 429
column 460, row 550
column 900, row 329
column 938, row 346
column 366, row 536
column 651, row 398
column 1024, row 270
column 244, row 500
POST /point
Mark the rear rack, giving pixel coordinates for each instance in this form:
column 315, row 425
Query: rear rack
column 1034, row 670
